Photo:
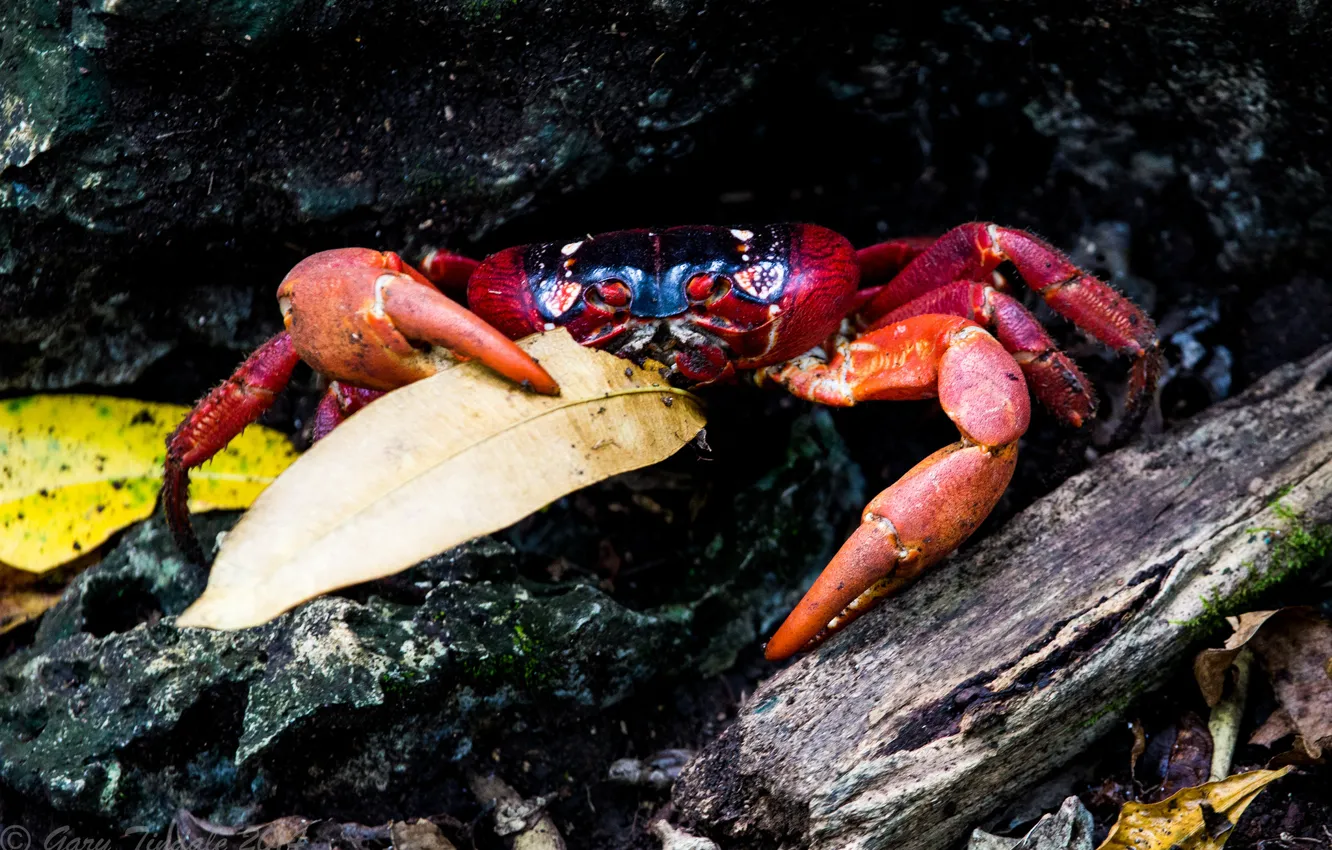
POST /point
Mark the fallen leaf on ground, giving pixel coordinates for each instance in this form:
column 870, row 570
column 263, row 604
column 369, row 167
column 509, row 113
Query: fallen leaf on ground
column 279, row 833
column 1294, row 647
column 437, row 463
column 1199, row 818
column 677, row 839
column 22, row 606
column 419, row 835
column 74, row 469
column 523, row 823
column 297, row 833
column 1278, row 725
column 1190, row 759
column 1211, row 665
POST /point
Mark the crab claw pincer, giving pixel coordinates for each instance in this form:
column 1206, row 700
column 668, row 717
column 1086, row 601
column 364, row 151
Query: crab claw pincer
column 932, row 509
column 913, row 524
column 367, row 318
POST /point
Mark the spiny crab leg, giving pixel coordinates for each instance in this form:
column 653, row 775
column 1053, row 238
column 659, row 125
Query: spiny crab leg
column 932, row 509
column 973, row 251
column 223, row 413
column 1055, row 379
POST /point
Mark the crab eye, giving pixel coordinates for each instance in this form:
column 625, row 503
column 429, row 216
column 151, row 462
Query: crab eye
column 701, row 287
column 613, row 292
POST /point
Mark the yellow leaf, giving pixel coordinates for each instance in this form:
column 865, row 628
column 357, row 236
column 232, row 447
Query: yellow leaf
column 1200, row 818
column 74, row 469
column 435, row 464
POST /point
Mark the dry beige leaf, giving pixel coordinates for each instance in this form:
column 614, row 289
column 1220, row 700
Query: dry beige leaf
column 1211, row 664
column 1200, row 818
column 523, row 823
column 1278, row 725
column 22, row 606
column 434, row 464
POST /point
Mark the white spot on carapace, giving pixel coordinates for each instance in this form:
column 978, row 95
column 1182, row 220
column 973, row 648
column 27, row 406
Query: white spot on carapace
column 558, row 298
column 761, row 280
column 744, row 257
column 743, row 235
column 550, row 326
column 568, row 250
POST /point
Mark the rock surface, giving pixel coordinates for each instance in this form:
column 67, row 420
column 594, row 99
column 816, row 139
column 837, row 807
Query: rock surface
column 115, row 713
column 142, row 143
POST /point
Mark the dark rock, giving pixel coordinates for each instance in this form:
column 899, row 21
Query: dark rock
column 157, row 157
column 116, row 714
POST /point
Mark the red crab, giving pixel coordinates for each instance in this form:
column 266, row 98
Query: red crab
column 791, row 304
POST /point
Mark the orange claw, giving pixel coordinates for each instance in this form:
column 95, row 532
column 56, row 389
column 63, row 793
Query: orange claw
column 928, row 513
column 360, row 316
column 932, row 509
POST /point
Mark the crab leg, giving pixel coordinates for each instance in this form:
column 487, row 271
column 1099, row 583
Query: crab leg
column 1055, row 379
column 973, row 251
column 338, row 402
column 223, row 413
column 932, row 509
column 880, row 263
column 448, row 271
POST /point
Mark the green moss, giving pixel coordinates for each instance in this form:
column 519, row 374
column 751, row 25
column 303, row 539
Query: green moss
column 1295, row 545
column 397, row 682
column 526, row 663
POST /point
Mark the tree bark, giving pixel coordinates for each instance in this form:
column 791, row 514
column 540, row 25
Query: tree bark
column 1009, row 659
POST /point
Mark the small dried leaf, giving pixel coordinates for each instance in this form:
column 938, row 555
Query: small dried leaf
column 74, row 469
column 1190, row 756
column 1277, row 726
column 437, row 463
column 22, row 606
column 283, row 831
column 1211, row 664
column 1198, row 818
column 1139, row 746
column 1294, row 648
column 677, row 839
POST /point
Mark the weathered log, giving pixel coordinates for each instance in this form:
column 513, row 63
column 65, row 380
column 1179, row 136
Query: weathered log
column 1006, row 661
